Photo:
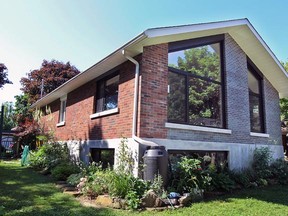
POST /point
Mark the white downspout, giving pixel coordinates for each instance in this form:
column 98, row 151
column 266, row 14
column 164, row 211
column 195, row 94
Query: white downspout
column 135, row 103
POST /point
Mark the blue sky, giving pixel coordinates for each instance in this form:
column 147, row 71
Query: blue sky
column 85, row 31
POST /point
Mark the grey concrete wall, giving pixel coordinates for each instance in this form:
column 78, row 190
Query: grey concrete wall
column 237, row 105
column 239, row 155
column 272, row 113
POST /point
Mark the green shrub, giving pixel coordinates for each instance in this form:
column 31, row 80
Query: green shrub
column 49, row 155
column 98, row 180
column 119, row 185
column 221, row 181
column 74, row 179
column 133, row 200
column 157, row 185
column 63, row 170
column 189, row 174
column 279, row 170
column 261, row 161
column 243, row 177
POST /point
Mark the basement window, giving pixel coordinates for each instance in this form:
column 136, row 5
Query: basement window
column 103, row 156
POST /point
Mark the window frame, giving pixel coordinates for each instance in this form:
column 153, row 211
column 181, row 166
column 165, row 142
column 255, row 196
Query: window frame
column 194, row 43
column 62, row 111
column 96, row 153
column 251, row 67
column 103, row 112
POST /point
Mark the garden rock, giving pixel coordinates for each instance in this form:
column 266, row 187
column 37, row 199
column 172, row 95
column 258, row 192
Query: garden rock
column 118, row 203
column 151, row 200
column 185, row 200
column 107, row 201
column 104, row 200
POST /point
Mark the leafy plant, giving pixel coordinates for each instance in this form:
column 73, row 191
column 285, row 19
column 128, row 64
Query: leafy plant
column 221, row 181
column 63, row 170
column 157, row 185
column 243, row 177
column 261, row 161
column 49, row 155
column 126, row 161
column 279, row 170
column 119, row 184
column 133, row 201
column 189, row 175
column 74, row 179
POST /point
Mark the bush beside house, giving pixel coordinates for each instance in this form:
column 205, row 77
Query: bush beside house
column 190, row 177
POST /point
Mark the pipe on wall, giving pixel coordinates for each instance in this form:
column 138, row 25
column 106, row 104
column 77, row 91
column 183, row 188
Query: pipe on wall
column 135, row 102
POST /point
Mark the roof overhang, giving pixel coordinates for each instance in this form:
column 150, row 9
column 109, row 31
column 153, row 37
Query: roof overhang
column 241, row 31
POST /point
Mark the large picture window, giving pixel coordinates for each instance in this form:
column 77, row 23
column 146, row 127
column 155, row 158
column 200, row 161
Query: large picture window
column 107, row 94
column 255, row 101
column 195, row 91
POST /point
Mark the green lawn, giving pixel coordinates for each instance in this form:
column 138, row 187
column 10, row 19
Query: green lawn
column 25, row 192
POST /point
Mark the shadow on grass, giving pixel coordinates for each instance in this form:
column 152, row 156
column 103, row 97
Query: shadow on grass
column 25, row 192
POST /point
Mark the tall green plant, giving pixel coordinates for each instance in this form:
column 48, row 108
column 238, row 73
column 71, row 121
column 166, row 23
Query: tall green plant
column 261, row 162
column 125, row 160
column 189, row 175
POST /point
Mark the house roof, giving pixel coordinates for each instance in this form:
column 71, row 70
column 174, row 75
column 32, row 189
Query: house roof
column 241, row 31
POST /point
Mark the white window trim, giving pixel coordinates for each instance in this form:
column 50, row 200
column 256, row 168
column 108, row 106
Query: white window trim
column 259, row 134
column 197, row 128
column 104, row 113
column 60, row 124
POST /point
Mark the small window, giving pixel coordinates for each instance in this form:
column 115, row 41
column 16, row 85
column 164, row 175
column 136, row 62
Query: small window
column 255, row 101
column 103, row 156
column 107, row 94
column 62, row 113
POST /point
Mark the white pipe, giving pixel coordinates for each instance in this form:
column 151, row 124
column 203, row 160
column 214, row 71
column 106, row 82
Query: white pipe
column 135, row 103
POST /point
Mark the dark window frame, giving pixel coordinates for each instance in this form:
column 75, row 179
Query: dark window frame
column 98, row 84
column 259, row 76
column 98, row 151
column 194, row 43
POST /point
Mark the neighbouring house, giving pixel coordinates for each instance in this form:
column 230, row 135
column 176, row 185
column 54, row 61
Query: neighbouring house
column 210, row 88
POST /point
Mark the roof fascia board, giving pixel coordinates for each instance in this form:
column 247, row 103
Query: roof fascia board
column 263, row 43
column 158, row 32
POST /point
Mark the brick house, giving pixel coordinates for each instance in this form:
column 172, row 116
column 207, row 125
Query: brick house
column 209, row 88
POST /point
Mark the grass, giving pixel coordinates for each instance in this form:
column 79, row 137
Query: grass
column 25, row 192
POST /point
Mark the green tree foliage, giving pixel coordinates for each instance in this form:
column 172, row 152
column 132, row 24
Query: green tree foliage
column 3, row 75
column 22, row 108
column 204, row 95
column 8, row 120
column 27, row 128
column 53, row 73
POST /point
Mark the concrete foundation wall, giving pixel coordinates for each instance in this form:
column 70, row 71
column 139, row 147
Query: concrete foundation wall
column 80, row 150
column 239, row 155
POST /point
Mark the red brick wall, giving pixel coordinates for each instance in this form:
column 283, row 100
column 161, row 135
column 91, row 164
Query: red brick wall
column 154, row 82
column 80, row 105
column 152, row 106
